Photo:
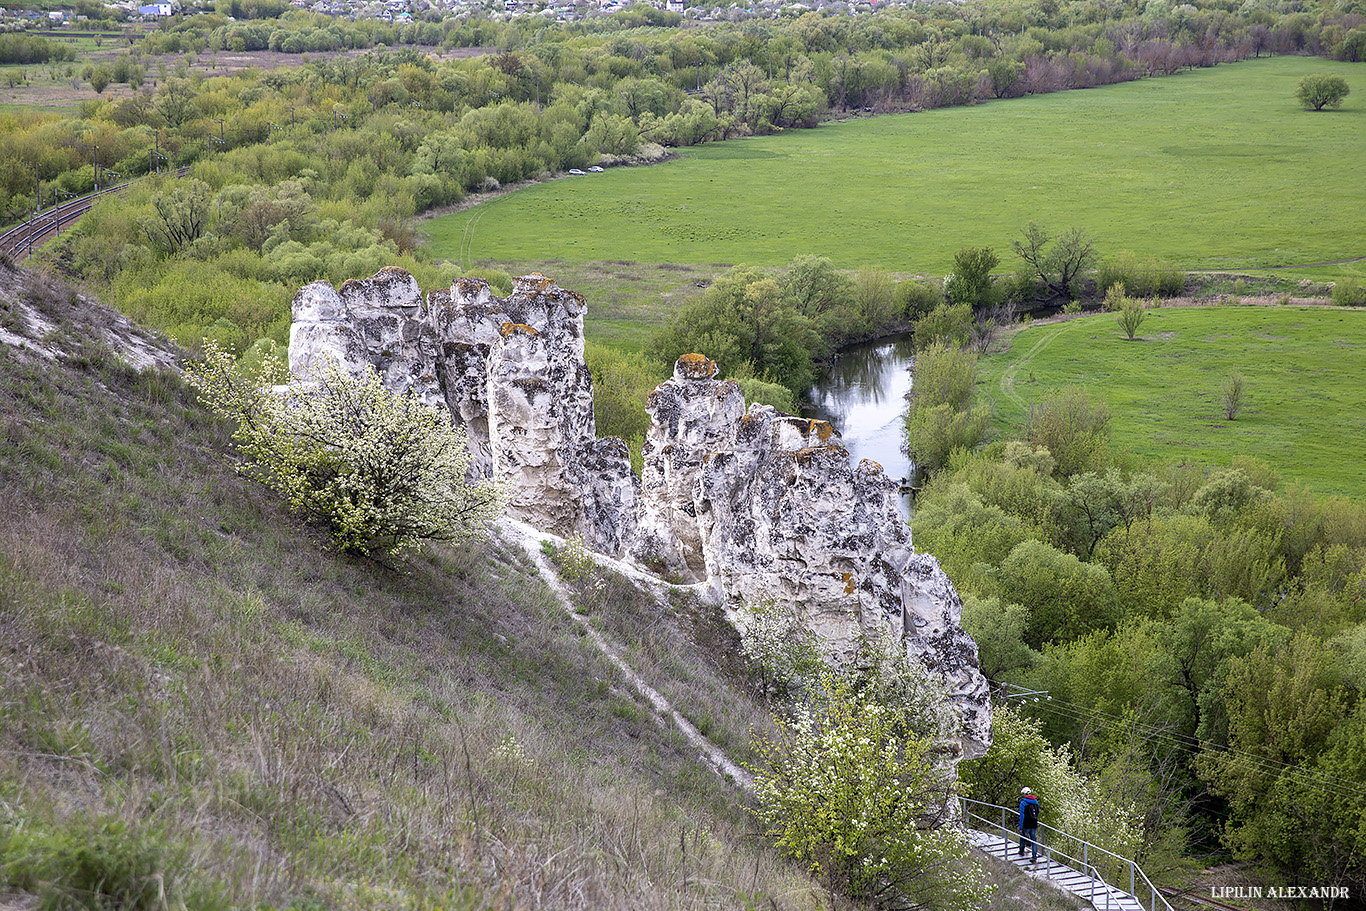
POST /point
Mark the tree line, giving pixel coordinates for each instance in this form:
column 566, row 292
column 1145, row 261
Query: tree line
column 1200, row 631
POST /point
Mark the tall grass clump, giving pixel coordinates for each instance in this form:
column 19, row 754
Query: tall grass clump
column 1347, row 292
column 1142, row 276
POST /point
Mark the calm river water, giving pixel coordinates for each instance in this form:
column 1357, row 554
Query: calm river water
column 863, row 395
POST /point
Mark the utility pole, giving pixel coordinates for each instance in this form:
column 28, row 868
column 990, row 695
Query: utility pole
column 37, row 191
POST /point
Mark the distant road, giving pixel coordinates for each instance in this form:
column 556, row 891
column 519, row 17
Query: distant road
column 30, row 235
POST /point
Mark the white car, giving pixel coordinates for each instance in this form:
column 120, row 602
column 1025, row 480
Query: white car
column 575, row 171
column 595, row 169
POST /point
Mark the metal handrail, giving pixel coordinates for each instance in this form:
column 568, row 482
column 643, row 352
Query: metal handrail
column 1136, row 873
column 1049, row 854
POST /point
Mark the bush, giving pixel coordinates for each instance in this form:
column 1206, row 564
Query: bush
column 102, row 863
column 1142, row 276
column 946, row 324
column 1348, row 292
column 1130, row 317
column 1321, row 90
column 919, row 298
column 383, row 472
column 1233, row 395
column 970, row 281
column 940, row 418
column 1073, row 428
column 855, row 792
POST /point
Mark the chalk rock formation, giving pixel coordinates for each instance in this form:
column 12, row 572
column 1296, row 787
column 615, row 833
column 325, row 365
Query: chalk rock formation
column 377, row 322
column 777, row 513
column 510, row 370
column 763, row 505
column 691, row 416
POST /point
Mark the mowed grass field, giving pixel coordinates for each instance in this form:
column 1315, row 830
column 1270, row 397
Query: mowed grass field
column 1216, row 169
column 1305, row 392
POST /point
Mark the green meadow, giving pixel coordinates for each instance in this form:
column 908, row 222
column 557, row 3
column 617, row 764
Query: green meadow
column 1215, row 169
column 1305, row 401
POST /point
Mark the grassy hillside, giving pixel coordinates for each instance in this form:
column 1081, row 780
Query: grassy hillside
column 197, row 697
column 1305, row 411
column 1216, row 169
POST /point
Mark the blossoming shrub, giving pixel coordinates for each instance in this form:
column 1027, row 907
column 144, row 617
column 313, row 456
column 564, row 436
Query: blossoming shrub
column 852, row 788
column 779, row 646
column 383, row 472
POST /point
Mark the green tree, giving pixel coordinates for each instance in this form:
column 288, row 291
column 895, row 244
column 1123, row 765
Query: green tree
column 1294, row 774
column 1065, row 597
column 383, row 472
column 99, row 78
column 850, row 789
column 940, row 417
column 1321, row 90
column 970, row 281
column 949, row 324
column 181, row 216
column 744, row 318
column 1073, row 427
column 998, row 629
column 1054, row 263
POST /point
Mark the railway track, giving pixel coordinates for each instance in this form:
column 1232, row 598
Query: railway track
column 29, row 235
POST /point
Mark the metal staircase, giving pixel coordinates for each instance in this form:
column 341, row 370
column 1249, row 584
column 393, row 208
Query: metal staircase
column 1086, row 870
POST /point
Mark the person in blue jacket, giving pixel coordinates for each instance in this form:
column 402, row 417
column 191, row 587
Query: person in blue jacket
column 1029, row 824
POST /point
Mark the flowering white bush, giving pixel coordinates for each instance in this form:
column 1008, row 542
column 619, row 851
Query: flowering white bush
column 780, row 645
column 862, row 798
column 384, row 472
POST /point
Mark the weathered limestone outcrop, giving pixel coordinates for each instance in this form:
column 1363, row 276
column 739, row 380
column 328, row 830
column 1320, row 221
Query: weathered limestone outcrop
column 510, row 370
column 778, row 514
column 377, row 322
column 691, row 416
column 762, row 505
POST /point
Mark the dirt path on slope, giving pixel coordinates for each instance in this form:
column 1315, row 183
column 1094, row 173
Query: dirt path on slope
column 530, row 540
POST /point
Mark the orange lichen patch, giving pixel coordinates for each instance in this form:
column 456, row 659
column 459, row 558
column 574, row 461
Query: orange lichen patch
column 872, row 466
column 470, row 285
column 695, row 367
column 809, row 454
column 509, row 328
column 822, row 429
column 848, row 580
column 535, row 281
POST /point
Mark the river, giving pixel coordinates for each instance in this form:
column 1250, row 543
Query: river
column 863, row 395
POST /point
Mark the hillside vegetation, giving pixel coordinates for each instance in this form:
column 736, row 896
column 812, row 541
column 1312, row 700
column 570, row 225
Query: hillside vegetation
column 201, row 704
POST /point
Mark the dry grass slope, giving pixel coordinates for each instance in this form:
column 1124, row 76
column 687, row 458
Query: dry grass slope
column 201, row 706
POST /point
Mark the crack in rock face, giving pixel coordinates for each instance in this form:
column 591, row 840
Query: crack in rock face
column 762, row 505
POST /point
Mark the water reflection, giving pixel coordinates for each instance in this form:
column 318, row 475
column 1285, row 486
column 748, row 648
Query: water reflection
column 863, row 395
